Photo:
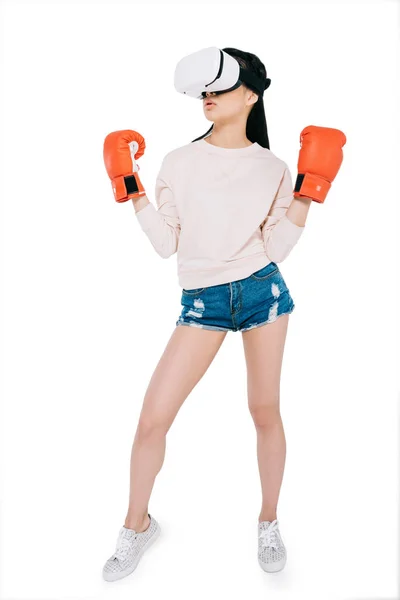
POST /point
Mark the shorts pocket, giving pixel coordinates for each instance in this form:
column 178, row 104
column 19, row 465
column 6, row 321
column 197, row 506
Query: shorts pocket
column 193, row 292
column 267, row 271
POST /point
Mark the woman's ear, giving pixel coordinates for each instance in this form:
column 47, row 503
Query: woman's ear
column 253, row 97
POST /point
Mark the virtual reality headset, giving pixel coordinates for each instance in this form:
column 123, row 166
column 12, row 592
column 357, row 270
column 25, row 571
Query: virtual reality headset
column 213, row 70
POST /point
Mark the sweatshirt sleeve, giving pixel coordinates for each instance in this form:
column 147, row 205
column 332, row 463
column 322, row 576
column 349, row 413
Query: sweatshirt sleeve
column 279, row 233
column 162, row 226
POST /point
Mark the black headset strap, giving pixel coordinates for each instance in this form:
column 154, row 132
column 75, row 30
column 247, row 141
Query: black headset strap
column 248, row 77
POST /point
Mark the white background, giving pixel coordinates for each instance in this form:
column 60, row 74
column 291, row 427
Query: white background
column 88, row 308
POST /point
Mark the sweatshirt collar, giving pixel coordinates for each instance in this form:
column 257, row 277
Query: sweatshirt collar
column 211, row 149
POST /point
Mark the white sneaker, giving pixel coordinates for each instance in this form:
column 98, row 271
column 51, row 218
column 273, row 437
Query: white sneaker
column 271, row 550
column 130, row 548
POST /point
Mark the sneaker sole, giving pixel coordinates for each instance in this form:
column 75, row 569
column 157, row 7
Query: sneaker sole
column 271, row 569
column 121, row 574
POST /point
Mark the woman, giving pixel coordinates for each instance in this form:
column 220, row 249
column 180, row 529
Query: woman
column 225, row 204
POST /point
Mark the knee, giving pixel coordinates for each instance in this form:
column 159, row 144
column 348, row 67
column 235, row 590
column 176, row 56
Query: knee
column 265, row 414
column 151, row 426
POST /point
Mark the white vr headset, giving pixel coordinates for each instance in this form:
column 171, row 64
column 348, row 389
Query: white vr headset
column 213, row 70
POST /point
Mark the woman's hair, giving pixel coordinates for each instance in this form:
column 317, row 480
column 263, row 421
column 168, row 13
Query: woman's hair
column 256, row 126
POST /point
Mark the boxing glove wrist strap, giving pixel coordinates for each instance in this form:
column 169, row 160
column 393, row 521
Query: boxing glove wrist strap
column 126, row 187
column 311, row 185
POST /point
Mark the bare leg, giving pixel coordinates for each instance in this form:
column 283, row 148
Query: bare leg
column 186, row 358
column 264, row 347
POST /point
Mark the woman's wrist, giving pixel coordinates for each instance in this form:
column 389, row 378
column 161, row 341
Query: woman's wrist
column 140, row 202
column 298, row 210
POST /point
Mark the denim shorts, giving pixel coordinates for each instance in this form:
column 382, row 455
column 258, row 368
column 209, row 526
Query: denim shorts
column 240, row 305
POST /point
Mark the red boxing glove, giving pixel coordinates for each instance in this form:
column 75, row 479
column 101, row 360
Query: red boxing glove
column 319, row 161
column 121, row 148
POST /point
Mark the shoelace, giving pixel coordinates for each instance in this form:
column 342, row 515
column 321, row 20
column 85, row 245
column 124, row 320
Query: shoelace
column 123, row 546
column 269, row 536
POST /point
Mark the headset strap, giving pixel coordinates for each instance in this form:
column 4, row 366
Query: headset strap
column 248, row 77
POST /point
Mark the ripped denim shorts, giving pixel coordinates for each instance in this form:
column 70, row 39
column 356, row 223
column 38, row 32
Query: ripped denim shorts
column 240, row 305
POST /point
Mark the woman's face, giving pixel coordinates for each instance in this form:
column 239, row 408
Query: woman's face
column 230, row 105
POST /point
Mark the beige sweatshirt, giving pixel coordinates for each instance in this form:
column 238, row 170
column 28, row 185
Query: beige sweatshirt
column 223, row 210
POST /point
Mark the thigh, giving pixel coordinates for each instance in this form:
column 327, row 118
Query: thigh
column 263, row 347
column 186, row 358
